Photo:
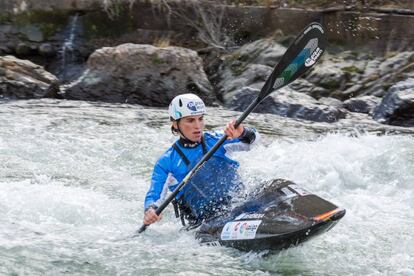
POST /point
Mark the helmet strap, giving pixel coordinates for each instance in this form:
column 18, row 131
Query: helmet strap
column 186, row 140
column 179, row 131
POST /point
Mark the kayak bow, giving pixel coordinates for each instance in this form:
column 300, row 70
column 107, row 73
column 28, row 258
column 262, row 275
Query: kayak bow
column 279, row 216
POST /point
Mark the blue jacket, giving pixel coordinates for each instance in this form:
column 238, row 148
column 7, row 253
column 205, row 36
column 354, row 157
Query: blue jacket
column 217, row 178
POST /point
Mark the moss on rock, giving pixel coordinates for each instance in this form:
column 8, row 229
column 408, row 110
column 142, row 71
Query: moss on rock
column 99, row 24
column 48, row 22
column 352, row 69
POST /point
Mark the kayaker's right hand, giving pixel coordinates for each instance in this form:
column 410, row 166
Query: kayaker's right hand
column 150, row 216
column 231, row 132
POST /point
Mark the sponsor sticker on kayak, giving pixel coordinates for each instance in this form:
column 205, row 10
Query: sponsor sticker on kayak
column 240, row 230
column 294, row 191
column 249, row 216
column 299, row 190
column 288, row 192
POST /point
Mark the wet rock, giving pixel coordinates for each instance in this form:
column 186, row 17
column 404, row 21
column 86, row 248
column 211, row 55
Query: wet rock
column 53, row 91
column 304, row 86
column 390, row 65
column 385, row 72
column 285, row 102
column 10, row 47
column 3, row 50
column 32, row 33
column 397, row 107
column 329, row 76
column 263, row 51
column 22, row 79
column 141, row 74
column 254, row 75
column 331, row 102
column 22, row 49
column 47, row 50
column 348, row 93
column 250, row 64
column 363, row 104
column 343, row 75
column 371, row 71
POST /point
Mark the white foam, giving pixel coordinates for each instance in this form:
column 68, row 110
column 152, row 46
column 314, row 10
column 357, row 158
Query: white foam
column 73, row 176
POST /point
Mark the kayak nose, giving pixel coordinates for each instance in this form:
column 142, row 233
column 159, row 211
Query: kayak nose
column 337, row 216
column 333, row 215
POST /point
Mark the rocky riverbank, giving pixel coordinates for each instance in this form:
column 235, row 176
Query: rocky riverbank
column 224, row 70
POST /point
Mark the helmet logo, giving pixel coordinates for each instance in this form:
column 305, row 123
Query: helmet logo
column 194, row 106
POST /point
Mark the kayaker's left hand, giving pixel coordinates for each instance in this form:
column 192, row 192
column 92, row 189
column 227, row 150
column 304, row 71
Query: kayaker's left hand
column 233, row 133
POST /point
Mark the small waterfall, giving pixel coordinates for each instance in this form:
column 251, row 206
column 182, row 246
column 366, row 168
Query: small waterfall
column 70, row 58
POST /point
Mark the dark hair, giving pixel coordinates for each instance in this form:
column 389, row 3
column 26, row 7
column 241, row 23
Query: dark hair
column 174, row 130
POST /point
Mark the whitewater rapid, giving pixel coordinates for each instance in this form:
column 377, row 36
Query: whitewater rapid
column 73, row 176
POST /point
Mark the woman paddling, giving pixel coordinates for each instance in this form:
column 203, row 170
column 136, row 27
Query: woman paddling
column 211, row 188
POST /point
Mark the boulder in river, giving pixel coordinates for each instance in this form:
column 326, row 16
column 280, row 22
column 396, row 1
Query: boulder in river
column 363, row 104
column 22, row 79
column 141, row 74
column 250, row 64
column 397, row 107
column 285, row 102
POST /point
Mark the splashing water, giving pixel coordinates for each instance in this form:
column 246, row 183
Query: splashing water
column 73, row 176
column 355, row 26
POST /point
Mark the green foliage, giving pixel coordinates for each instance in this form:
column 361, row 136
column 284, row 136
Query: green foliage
column 237, row 68
column 49, row 23
column 98, row 24
column 332, row 84
column 4, row 17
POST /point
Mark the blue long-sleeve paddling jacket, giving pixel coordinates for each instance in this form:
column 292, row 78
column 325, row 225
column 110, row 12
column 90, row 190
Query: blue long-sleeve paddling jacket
column 211, row 183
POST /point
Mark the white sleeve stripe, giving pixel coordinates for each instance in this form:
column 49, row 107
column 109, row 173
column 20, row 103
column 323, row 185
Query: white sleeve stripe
column 240, row 146
column 170, row 181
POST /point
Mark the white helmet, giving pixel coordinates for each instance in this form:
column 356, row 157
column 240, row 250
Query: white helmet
column 186, row 105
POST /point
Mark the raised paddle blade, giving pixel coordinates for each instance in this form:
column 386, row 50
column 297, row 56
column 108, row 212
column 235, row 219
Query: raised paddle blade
column 301, row 55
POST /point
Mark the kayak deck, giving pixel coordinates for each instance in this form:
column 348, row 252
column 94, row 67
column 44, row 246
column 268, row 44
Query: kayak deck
column 278, row 216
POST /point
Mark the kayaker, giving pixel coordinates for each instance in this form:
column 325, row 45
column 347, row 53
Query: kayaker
column 211, row 188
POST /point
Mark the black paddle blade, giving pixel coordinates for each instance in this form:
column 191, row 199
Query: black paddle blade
column 301, row 55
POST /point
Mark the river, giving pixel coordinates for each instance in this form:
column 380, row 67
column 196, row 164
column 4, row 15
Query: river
column 73, row 176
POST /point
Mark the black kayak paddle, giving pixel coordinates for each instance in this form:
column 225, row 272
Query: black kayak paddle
column 301, row 55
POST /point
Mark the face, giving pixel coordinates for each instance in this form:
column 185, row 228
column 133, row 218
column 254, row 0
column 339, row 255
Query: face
column 192, row 127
